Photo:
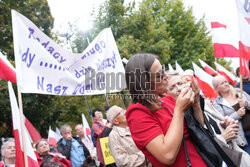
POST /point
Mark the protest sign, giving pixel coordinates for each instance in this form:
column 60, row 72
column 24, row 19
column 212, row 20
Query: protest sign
column 42, row 66
column 107, row 156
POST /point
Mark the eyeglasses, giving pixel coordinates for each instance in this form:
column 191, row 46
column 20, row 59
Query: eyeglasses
column 122, row 112
column 161, row 74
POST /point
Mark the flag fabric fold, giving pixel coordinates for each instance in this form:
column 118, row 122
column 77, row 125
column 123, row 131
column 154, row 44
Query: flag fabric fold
column 170, row 68
column 205, row 82
column 7, row 71
column 32, row 161
column 86, row 126
column 58, row 132
column 35, row 136
column 228, row 75
column 224, row 29
column 178, row 68
column 244, row 30
column 207, row 68
column 53, row 137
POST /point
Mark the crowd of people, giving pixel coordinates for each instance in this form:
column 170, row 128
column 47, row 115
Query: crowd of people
column 169, row 123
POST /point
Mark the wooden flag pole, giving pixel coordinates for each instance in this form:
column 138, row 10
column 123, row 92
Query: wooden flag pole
column 22, row 125
column 241, row 87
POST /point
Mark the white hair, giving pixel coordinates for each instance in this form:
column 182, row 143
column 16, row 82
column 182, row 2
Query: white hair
column 5, row 144
column 65, row 127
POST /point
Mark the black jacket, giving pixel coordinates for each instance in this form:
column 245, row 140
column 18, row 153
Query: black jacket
column 65, row 149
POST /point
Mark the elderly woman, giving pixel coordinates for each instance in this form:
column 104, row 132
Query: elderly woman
column 157, row 124
column 230, row 103
column 8, row 152
column 45, row 158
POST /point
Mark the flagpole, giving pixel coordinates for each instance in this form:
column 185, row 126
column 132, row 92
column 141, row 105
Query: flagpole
column 241, row 87
column 86, row 100
column 22, row 125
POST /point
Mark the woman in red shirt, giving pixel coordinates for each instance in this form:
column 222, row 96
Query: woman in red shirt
column 46, row 158
column 157, row 124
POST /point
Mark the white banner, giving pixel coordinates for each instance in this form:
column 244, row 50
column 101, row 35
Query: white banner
column 42, row 66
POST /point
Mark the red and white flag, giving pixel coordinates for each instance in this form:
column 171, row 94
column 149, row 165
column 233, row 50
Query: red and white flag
column 225, row 44
column 224, row 28
column 178, row 68
column 7, row 71
column 204, row 81
column 86, row 126
column 58, row 131
column 53, row 137
column 228, row 75
column 207, row 68
column 32, row 160
column 33, row 133
column 244, row 29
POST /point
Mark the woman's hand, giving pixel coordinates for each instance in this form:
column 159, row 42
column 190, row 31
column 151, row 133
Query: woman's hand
column 231, row 132
column 195, row 87
column 185, row 99
column 228, row 121
column 242, row 103
column 242, row 111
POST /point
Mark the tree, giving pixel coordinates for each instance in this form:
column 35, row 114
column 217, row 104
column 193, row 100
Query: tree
column 37, row 108
column 162, row 27
column 36, row 10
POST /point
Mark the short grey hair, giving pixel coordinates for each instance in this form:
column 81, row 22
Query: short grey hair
column 64, row 127
column 5, row 144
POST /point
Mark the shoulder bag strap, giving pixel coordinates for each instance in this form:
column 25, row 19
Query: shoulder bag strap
column 186, row 152
column 224, row 156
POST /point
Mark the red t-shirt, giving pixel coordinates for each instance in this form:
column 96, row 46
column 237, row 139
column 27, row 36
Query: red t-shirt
column 145, row 125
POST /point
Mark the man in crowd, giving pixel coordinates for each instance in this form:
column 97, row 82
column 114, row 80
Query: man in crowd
column 98, row 126
column 8, row 152
column 121, row 144
column 72, row 147
column 245, row 82
column 86, row 140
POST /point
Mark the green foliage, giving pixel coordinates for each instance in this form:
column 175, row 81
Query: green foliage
column 37, row 108
column 36, row 10
column 162, row 27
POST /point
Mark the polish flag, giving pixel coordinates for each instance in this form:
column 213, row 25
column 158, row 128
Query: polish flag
column 33, row 133
column 86, row 126
column 204, row 81
column 224, row 28
column 7, row 71
column 228, row 75
column 178, row 68
column 207, row 68
column 225, row 43
column 244, row 43
column 32, row 160
column 58, row 132
column 170, row 68
column 53, row 137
